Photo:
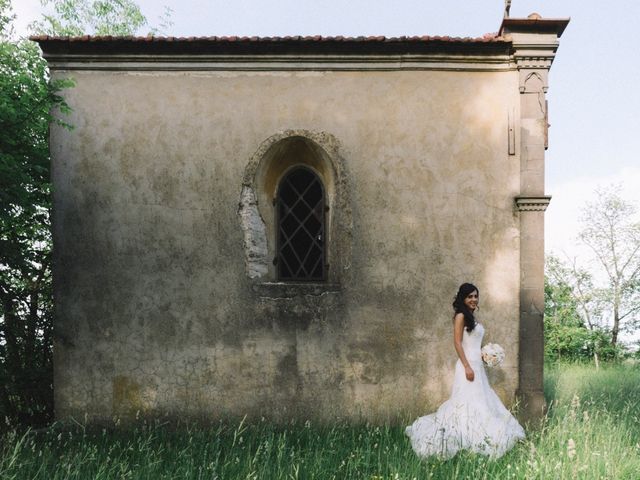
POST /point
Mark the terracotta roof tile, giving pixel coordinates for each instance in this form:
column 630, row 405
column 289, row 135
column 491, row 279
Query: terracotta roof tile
column 489, row 37
column 287, row 45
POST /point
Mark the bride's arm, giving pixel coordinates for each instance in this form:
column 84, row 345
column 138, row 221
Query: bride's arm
column 458, row 329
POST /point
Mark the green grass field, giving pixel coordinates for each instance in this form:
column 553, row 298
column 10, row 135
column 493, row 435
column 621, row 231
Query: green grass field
column 592, row 431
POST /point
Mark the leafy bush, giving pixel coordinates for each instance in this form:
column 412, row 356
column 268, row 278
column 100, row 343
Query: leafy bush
column 566, row 336
column 27, row 97
column 576, row 342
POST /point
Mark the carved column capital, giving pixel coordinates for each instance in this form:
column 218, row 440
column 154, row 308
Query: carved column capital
column 535, row 42
column 533, row 204
column 533, row 80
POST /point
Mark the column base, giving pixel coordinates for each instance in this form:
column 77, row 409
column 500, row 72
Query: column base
column 532, row 406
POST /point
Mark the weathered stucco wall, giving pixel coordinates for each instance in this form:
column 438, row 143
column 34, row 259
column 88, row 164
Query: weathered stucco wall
column 156, row 309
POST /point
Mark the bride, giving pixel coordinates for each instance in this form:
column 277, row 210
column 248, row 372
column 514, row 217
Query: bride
column 473, row 418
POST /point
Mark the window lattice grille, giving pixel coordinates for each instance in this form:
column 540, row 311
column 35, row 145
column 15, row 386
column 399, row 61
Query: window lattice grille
column 300, row 210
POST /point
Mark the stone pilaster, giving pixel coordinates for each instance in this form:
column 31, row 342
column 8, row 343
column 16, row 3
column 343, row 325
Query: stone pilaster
column 531, row 359
column 535, row 41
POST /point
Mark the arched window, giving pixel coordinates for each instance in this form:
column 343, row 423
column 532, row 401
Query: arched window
column 300, row 219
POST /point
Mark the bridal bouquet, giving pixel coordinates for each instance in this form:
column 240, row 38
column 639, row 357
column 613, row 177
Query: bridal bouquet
column 492, row 354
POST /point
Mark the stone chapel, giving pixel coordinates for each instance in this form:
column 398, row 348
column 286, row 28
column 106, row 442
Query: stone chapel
column 277, row 226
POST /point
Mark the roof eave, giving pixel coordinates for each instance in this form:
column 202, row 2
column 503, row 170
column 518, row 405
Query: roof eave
column 317, row 45
column 534, row 24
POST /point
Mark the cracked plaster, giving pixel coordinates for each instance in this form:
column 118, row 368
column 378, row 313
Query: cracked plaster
column 173, row 309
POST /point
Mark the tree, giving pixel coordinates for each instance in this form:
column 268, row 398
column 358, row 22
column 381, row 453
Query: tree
column 96, row 17
column 577, row 283
column 612, row 233
column 27, row 98
column 572, row 326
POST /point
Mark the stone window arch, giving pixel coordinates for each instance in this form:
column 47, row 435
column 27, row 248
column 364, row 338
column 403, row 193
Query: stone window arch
column 300, row 225
column 275, row 159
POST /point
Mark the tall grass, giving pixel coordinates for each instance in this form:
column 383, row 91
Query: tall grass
column 592, row 431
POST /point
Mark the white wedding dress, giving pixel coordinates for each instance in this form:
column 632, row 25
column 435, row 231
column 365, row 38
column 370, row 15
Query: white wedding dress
column 472, row 419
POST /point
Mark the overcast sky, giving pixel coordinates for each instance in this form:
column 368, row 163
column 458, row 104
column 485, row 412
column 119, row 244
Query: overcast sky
column 594, row 104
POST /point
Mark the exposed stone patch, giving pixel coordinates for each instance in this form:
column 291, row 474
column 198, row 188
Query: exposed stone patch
column 255, row 238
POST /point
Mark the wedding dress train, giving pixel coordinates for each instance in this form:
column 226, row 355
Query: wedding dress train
column 473, row 418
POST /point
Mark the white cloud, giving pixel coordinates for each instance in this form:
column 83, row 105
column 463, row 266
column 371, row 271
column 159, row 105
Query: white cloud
column 562, row 219
column 26, row 12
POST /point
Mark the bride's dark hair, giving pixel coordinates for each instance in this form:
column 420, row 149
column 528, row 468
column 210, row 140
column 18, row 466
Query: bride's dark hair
column 459, row 306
